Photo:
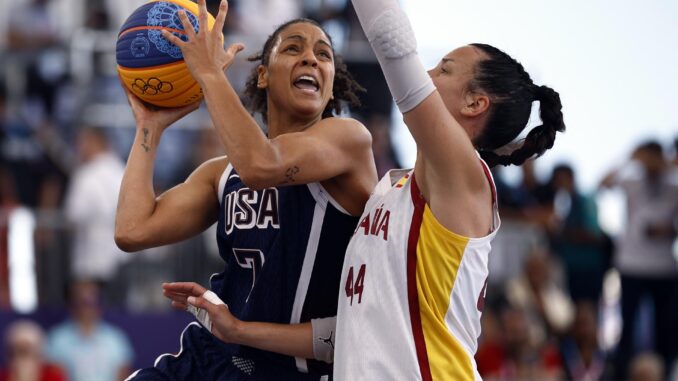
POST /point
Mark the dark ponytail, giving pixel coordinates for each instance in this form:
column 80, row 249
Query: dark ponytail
column 511, row 93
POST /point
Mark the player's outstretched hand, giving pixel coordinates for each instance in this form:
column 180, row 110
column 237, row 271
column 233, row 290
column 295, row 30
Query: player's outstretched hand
column 212, row 313
column 204, row 51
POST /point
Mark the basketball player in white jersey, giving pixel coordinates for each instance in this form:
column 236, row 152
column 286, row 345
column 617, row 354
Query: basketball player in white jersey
column 415, row 270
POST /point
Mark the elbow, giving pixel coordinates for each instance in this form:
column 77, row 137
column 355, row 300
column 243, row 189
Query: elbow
column 127, row 241
column 259, row 174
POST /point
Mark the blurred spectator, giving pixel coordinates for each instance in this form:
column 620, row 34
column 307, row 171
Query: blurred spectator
column 583, row 359
column 384, row 155
column 24, row 342
column 20, row 154
column 577, row 238
column 522, row 358
column 490, row 354
column 546, row 305
column 646, row 367
column 86, row 346
column 644, row 256
column 9, row 199
column 90, row 206
column 33, row 34
column 52, row 243
column 257, row 18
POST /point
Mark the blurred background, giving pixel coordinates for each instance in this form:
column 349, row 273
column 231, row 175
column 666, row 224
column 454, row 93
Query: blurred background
column 583, row 274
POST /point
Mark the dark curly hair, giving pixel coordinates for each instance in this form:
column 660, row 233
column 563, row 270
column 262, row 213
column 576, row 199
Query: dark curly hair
column 512, row 91
column 345, row 87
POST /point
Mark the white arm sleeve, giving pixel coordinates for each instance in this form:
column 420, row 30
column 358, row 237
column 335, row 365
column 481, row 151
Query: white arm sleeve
column 323, row 338
column 390, row 34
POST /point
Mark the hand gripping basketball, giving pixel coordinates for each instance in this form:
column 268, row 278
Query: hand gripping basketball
column 204, row 52
column 152, row 67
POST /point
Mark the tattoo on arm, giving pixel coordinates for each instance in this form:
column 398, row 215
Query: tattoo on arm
column 145, row 143
column 289, row 175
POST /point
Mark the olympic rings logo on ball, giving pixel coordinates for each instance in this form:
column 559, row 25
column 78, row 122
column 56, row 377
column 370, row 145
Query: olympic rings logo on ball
column 153, row 86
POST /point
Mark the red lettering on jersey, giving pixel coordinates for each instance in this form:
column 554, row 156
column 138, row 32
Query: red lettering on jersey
column 383, row 225
column 378, row 224
column 375, row 221
column 365, row 224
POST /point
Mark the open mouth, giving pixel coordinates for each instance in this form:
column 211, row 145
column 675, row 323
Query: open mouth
column 307, row 82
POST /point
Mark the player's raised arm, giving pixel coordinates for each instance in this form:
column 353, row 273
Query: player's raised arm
column 476, row 98
column 441, row 141
column 300, row 64
column 144, row 220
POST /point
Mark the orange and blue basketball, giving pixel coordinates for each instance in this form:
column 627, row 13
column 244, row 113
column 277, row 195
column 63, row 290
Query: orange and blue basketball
column 150, row 66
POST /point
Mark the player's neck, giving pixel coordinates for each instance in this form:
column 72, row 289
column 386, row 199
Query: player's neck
column 281, row 123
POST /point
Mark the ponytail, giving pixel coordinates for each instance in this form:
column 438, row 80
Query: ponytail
column 511, row 93
column 540, row 138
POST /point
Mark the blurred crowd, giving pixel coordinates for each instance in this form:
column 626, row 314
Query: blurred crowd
column 566, row 300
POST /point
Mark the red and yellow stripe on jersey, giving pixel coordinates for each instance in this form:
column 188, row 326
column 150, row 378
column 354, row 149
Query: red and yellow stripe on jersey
column 412, row 292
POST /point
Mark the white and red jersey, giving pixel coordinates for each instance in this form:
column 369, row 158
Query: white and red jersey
column 412, row 291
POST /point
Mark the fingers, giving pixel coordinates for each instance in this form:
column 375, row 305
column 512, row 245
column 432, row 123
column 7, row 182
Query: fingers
column 235, row 49
column 203, row 303
column 221, row 17
column 188, row 288
column 202, row 15
column 172, row 38
column 186, row 23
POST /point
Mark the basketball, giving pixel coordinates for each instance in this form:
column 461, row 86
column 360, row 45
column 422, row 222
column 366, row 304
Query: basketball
column 149, row 65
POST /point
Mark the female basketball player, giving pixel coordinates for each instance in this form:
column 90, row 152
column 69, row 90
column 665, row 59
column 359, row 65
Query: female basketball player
column 286, row 204
column 415, row 272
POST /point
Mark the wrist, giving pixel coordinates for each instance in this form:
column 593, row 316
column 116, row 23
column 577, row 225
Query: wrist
column 238, row 333
column 206, row 78
column 148, row 135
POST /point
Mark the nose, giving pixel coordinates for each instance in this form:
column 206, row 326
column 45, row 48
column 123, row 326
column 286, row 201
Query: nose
column 309, row 59
column 430, row 73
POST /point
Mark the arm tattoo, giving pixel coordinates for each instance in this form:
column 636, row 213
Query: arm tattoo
column 145, row 143
column 289, row 175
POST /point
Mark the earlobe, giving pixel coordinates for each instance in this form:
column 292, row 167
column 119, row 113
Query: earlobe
column 262, row 78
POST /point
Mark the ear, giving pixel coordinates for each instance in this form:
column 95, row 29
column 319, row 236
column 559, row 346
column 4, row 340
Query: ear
column 262, row 77
column 475, row 104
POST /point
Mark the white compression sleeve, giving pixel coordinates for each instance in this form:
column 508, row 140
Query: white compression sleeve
column 389, row 32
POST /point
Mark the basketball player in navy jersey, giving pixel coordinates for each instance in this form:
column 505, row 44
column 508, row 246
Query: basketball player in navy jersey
column 285, row 204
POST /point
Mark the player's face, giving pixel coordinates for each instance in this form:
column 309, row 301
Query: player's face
column 452, row 75
column 300, row 73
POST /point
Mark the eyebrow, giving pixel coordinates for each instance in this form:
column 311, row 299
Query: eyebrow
column 446, row 60
column 302, row 38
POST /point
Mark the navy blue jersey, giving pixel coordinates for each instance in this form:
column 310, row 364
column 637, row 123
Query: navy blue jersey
column 284, row 249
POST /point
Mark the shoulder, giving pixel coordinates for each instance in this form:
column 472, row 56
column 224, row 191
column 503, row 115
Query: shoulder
column 346, row 129
column 210, row 169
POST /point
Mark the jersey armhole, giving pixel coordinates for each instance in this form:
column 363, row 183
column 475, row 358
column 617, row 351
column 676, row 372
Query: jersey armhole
column 223, row 180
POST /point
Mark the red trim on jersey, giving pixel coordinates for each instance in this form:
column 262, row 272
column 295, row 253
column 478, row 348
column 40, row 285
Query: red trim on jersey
column 488, row 174
column 412, row 295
